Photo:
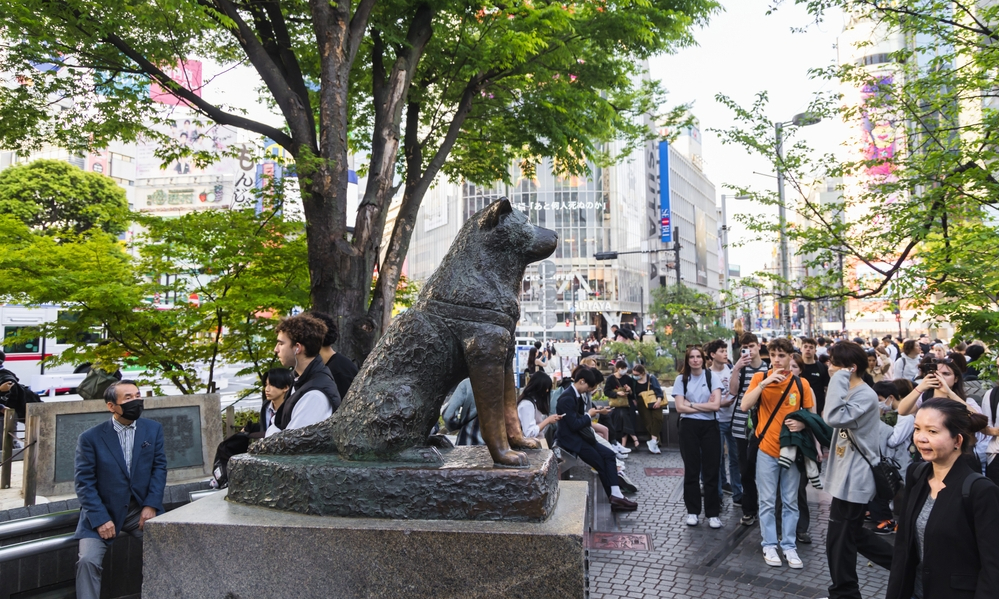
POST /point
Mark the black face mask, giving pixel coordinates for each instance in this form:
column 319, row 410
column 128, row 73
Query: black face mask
column 132, row 410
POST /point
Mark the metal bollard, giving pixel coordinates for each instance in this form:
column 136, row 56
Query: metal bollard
column 31, row 429
column 9, row 430
column 230, row 421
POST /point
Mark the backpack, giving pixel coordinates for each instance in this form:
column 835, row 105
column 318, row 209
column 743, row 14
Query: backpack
column 922, row 471
column 975, row 388
column 96, row 383
column 234, row 445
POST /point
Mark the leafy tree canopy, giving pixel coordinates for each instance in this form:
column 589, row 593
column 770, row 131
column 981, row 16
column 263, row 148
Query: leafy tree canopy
column 203, row 289
column 59, row 199
column 917, row 220
column 684, row 317
column 418, row 87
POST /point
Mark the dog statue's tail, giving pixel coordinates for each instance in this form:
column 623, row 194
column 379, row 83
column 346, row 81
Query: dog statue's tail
column 312, row 439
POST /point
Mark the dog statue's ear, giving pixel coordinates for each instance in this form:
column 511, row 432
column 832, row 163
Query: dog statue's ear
column 496, row 211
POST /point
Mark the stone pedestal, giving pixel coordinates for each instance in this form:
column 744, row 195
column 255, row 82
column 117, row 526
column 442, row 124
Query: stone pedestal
column 219, row 549
column 460, row 483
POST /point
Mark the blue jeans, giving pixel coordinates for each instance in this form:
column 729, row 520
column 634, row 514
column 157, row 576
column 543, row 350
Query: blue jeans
column 725, row 428
column 769, row 477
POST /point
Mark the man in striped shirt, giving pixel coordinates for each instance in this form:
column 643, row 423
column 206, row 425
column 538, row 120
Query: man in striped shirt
column 120, row 478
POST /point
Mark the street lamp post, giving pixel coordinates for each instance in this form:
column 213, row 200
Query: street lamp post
column 803, row 119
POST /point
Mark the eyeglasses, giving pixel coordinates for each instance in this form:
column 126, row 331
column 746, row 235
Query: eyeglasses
column 694, row 346
column 946, row 361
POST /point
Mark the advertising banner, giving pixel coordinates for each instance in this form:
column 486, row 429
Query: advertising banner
column 701, row 246
column 187, row 74
column 665, row 226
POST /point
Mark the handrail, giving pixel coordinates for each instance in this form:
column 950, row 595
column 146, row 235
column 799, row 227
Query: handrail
column 35, row 524
column 36, row 547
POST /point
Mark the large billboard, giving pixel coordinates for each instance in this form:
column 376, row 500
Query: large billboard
column 879, row 126
column 187, row 73
column 701, row 246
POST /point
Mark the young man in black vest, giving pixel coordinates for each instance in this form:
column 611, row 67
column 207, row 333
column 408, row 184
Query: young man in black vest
column 314, row 397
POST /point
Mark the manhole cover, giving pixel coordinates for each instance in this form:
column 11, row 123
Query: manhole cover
column 664, row 472
column 618, row 541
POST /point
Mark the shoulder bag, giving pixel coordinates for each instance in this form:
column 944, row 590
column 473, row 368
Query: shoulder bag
column 887, row 478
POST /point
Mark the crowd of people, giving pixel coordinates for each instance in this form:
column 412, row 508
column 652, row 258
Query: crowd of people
column 842, row 416
column 785, row 414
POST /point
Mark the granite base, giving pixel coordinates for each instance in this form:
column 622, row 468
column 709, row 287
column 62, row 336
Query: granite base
column 218, row 549
column 460, row 483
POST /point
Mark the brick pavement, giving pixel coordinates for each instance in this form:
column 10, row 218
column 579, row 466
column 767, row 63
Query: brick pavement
column 698, row 561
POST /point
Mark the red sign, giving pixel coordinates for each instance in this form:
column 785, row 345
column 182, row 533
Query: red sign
column 194, row 299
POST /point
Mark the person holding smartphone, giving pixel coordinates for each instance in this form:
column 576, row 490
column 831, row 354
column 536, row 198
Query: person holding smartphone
column 749, row 364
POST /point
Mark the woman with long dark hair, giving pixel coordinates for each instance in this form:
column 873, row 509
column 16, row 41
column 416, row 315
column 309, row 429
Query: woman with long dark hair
column 945, row 546
column 534, row 406
column 698, row 398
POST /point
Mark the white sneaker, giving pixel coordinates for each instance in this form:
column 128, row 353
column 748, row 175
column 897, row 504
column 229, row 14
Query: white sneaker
column 714, row 523
column 770, row 556
column 653, row 446
column 691, row 519
column 793, row 561
column 621, row 448
column 620, row 465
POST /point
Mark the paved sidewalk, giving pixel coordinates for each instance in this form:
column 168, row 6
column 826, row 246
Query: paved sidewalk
column 697, row 561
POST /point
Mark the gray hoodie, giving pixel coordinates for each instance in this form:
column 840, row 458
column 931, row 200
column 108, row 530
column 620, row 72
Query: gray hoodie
column 846, row 475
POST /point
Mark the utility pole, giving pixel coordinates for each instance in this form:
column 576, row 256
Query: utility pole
column 676, row 256
column 784, row 314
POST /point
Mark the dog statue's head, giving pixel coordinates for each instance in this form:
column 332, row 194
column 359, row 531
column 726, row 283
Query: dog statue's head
column 513, row 229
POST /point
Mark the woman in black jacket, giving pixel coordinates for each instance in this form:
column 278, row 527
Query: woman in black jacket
column 945, row 543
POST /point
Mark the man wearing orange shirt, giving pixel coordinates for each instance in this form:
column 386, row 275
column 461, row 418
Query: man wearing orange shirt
column 778, row 394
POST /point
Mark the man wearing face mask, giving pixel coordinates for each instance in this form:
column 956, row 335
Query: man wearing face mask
column 120, row 477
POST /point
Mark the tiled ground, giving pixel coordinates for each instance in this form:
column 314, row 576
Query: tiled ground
column 701, row 562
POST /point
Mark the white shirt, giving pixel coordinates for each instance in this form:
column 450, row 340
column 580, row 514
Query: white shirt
column 697, row 392
column 311, row 408
column 725, row 375
column 529, row 418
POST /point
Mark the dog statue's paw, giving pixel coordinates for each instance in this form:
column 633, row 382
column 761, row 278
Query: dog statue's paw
column 510, row 459
column 525, row 443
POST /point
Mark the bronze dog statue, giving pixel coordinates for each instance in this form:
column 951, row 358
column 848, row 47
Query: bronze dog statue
column 462, row 325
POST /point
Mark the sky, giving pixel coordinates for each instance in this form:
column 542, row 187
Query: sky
column 741, row 52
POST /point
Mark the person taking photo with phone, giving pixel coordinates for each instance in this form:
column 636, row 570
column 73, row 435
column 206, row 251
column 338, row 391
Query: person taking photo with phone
column 749, row 364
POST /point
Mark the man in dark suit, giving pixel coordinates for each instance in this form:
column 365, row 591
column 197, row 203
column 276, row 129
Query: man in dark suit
column 120, row 477
column 572, row 437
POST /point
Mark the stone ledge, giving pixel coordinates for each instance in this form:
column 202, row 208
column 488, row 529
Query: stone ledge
column 465, row 487
column 216, row 548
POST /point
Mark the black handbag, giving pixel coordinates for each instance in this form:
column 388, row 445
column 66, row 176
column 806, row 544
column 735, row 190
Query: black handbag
column 887, row 476
column 588, row 435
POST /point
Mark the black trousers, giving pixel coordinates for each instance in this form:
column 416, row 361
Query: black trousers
column 992, row 470
column 700, row 448
column 847, row 537
column 747, row 468
column 804, row 518
column 603, row 460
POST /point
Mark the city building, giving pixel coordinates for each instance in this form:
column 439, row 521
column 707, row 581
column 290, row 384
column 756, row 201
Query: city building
column 614, row 209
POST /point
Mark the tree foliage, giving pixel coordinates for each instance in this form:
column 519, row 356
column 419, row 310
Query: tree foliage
column 59, row 199
column 418, row 87
column 245, row 269
column 685, row 317
column 917, row 219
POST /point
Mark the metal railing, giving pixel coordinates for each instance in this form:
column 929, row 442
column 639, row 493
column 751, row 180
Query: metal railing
column 34, row 525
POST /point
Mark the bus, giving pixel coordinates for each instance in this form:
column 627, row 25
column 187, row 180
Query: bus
column 24, row 357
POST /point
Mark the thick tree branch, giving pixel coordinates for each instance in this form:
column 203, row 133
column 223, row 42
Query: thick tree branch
column 389, row 97
column 213, row 112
